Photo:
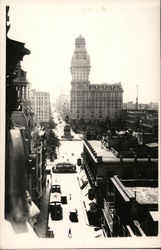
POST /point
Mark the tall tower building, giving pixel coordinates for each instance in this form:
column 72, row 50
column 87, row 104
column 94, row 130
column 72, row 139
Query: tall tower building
column 91, row 101
column 80, row 63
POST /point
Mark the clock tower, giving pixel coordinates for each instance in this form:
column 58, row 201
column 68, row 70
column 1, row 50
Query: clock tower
column 80, row 63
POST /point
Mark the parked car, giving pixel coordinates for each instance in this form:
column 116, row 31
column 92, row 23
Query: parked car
column 56, row 211
column 73, row 215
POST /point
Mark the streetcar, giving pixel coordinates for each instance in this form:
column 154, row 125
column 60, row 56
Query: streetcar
column 64, row 167
column 55, row 208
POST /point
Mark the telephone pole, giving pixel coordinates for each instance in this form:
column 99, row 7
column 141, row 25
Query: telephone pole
column 137, row 90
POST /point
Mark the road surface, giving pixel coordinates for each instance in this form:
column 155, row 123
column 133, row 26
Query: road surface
column 70, row 151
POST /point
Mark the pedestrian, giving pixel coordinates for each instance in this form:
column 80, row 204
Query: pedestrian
column 69, row 233
column 70, row 196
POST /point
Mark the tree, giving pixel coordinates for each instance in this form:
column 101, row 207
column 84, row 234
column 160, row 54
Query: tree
column 52, row 141
column 52, row 124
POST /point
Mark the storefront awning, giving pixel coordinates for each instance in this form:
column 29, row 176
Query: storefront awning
column 154, row 215
column 152, row 145
column 33, row 209
column 109, row 220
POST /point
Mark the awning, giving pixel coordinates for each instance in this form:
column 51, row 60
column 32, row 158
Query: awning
column 33, row 209
column 85, row 189
column 81, row 174
column 152, row 145
column 154, row 215
column 83, row 180
column 109, row 220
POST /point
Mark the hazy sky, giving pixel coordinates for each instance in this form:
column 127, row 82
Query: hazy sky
column 122, row 39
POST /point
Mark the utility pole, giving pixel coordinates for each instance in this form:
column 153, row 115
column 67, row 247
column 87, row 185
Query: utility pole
column 137, row 90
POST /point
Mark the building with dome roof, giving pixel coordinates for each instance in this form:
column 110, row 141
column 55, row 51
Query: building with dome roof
column 91, row 101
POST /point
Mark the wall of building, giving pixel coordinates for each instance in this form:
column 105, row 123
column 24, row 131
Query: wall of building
column 138, row 168
column 23, row 88
column 40, row 102
column 134, row 210
column 91, row 101
column 33, row 149
column 144, row 120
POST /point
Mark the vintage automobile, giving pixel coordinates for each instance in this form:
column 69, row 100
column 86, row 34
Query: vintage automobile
column 55, row 186
column 73, row 215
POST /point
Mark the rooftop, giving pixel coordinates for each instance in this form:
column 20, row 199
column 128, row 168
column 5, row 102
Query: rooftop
column 103, row 152
column 99, row 149
column 144, row 195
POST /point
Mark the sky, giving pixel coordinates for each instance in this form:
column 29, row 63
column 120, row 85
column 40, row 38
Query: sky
column 122, row 39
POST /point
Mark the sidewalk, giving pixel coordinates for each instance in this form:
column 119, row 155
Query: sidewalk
column 42, row 220
column 83, row 203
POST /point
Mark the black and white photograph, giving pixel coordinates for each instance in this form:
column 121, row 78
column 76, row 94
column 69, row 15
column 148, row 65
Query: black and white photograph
column 79, row 124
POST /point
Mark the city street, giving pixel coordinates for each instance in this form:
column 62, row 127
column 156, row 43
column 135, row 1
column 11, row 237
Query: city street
column 69, row 151
column 70, row 185
column 80, row 124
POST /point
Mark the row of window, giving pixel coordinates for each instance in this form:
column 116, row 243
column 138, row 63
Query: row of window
column 96, row 113
column 96, row 97
column 40, row 94
column 81, row 78
column 40, row 99
column 93, row 116
column 98, row 105
column 94, row 108
column 44, row 103
column 42, row 115
column 96, row 102
column 89, row 97
column 42, row 111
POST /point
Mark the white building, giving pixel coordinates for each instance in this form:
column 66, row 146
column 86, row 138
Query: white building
column 91, row 101
column 40, row 103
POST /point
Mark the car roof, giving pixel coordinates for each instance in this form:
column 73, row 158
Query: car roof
column 73, row 210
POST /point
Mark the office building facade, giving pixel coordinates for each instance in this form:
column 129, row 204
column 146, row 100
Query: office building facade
column 91, row 101
column 40, row 102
